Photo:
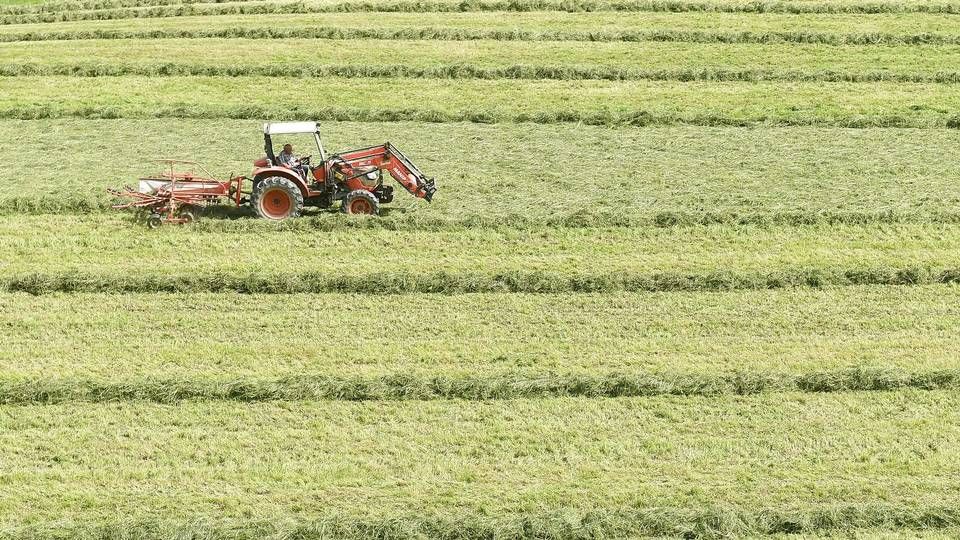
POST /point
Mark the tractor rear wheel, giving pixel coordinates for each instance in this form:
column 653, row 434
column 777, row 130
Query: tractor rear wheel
column 360, row 201
column 276, row 198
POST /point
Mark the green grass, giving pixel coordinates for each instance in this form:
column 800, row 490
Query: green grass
column 75, row 254
column 468, row 470
column 392, row 99
column 689, row 300
column 489, row 177
column 486, row 59
column 876, row 534
column 816, row 28
column 225, row 346
column 36, row 6
column 332, row 6
column 20, row 2
column 539, row 21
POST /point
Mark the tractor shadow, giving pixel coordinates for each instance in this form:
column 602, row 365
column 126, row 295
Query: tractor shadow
column 224, row 212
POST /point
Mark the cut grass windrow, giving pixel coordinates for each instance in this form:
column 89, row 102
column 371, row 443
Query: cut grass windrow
column 82, row 5
column 608, row 103
column 541, row 25
column 472, row 345
column 635, row 118
column 234, row 346
column 545, row 468
column 433, row 6
column 97, row 255
column 840, row 521
column 464, row 282
column 457, row 34
column 467, row 71
column 98, row 5
column 229, row 219
column 481, row 59
column 18, row 2
column 54, row 390
column 675, row 176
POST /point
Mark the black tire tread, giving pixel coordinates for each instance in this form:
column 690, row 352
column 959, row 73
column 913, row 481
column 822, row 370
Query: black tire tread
column 281, row 182
column 358, row 193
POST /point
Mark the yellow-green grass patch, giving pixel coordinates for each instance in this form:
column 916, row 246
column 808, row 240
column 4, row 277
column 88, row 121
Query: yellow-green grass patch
column 477, row 469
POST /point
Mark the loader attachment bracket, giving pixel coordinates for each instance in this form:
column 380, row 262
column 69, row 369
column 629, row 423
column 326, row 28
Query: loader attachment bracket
column 387, row 157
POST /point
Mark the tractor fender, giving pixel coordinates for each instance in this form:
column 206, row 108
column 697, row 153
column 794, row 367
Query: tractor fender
column 283, row 172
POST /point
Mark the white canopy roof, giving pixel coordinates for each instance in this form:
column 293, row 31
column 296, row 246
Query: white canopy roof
column 278, row 128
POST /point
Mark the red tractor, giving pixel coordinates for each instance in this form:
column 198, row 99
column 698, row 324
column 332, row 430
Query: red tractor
column 354, row 177
column 278, row 191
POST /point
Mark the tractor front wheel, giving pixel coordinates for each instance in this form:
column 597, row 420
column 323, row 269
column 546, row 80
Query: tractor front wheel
column 276, row 198
column 360, row 201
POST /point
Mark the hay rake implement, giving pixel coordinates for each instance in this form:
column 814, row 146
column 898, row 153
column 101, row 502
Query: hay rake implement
column 176, row 196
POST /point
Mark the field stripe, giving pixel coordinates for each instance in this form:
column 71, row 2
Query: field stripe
column 229, row 219
column 468, row 71
column 553, row 468
column 458, row 34
column 876, row 520
column 559, row 24
column 637, row 118
column 57, row 390
column 596, row 102
column 479, row 345
column 71, row 255
column 77, row 5
column 436, row 59
column 483, row 5
column 463, row 282
column 667, row 6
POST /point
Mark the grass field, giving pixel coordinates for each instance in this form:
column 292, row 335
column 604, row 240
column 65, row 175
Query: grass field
column 522, row 345
column 128, row 10
column 893, row 28
column 77, row 254
column 692, row 271
column 598, row 102
column 499, row 59
column 451, row 467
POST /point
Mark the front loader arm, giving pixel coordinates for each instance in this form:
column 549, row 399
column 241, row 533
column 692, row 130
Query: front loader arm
column 388, row 158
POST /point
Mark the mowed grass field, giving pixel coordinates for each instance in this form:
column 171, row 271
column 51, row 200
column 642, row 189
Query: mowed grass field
column 692, row 272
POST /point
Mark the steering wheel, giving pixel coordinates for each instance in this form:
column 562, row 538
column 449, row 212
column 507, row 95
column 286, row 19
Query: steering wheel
column 305, row 160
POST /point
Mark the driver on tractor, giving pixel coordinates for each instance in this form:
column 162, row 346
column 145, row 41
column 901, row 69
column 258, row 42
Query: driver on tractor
column 290, row 161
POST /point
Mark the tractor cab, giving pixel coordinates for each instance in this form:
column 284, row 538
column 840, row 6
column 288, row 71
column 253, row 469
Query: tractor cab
column 291, row 128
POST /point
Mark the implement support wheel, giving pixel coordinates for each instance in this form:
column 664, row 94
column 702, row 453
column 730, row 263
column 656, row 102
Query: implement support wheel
column 276, row 198
column 361, row 201
column 187, row 213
